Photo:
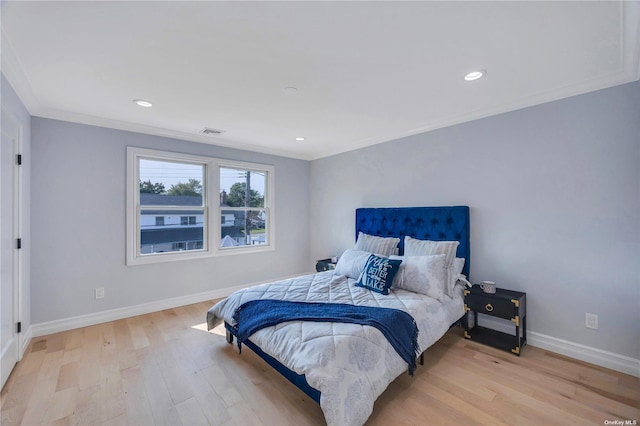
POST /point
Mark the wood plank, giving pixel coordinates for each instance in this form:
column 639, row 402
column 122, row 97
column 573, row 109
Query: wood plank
column 88, row 407
column 162, row 406
column 135, row 398
column 62, row 404
column 191, row 414
column 67, row 376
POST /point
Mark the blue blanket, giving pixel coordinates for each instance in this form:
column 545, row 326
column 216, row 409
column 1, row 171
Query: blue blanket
column 398, row 327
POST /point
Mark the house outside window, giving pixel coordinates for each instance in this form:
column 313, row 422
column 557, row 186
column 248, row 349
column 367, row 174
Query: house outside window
column 187, row 220
column 182, row 206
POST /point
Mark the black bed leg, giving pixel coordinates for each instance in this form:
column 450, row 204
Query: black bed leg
column 229, row 337
column 422, row 358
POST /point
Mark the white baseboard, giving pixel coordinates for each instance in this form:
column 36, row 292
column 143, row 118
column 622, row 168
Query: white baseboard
column 65, row 324
column 71, row 323
column 606, row 359
column 617, row 362
column 26, row 339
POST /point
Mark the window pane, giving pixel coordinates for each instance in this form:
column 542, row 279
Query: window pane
column 165, row 231
column 242, row 188
column 171, row 183
column 241, row 228
column 167, row 183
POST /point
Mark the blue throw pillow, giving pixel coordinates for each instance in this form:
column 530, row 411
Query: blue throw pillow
column 378, row 273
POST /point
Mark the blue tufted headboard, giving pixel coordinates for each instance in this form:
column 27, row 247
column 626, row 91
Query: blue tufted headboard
column 424, row 223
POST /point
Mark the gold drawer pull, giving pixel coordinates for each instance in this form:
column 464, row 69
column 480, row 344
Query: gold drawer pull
column 488, row 307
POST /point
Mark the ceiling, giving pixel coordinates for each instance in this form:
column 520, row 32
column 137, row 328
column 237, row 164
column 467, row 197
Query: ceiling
column 365, row 72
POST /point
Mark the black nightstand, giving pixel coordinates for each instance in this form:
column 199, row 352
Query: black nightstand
column 506, row 304
column 325, row 265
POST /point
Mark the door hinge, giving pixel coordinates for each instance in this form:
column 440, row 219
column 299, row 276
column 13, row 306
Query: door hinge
column 19, row 159
column 19, row 327
column 19, row 243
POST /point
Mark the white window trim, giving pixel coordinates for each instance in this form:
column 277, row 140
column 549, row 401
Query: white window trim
column 211, row 206
column 269, row 206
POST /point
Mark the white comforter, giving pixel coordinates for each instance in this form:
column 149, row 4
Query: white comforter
column 350, row 364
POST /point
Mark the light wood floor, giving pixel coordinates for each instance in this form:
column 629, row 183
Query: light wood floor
column 164, row 368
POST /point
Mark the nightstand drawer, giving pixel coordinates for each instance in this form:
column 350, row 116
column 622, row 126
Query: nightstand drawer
column 497, row 307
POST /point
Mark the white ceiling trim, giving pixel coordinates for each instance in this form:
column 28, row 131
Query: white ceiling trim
column 615, row 79
column 13, row 71
column 74, row 117
column 630, row 11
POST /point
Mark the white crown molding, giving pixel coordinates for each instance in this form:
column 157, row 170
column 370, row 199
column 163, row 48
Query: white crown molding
column 14, row 73
column 73, row 117
column 577, row 89
column 630, row 11
column 613, row 361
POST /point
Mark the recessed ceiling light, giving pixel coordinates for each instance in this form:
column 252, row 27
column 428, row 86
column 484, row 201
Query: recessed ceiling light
column 142, row 103
column 474, row 75
column 299, row 139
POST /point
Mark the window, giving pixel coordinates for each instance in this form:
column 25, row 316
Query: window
column 243, row 206
column 179, row 246
column 187, row 220
column 184, row 206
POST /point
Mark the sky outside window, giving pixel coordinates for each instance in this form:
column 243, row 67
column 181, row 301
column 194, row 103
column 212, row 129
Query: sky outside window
column 171, row 173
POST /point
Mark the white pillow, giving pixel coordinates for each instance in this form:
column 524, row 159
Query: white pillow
column 422, row 274
column 456, row 271
column 458, row 266
column 415, row 247
column 351, row 263
column 378, row 245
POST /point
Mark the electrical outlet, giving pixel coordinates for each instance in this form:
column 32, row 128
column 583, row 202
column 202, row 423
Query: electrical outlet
column 591, row 321
column 100, row 293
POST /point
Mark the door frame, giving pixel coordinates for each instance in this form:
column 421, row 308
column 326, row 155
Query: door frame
column 16, row 228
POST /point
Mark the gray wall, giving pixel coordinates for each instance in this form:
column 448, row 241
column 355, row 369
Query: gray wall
column 554, row 195
column 78, row 223
column 11, row 105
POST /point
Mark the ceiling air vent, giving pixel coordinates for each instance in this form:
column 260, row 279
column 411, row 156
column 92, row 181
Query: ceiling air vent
column 211, row 132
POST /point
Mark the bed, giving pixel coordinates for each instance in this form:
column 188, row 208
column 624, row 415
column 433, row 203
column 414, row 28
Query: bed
column 346, row 366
